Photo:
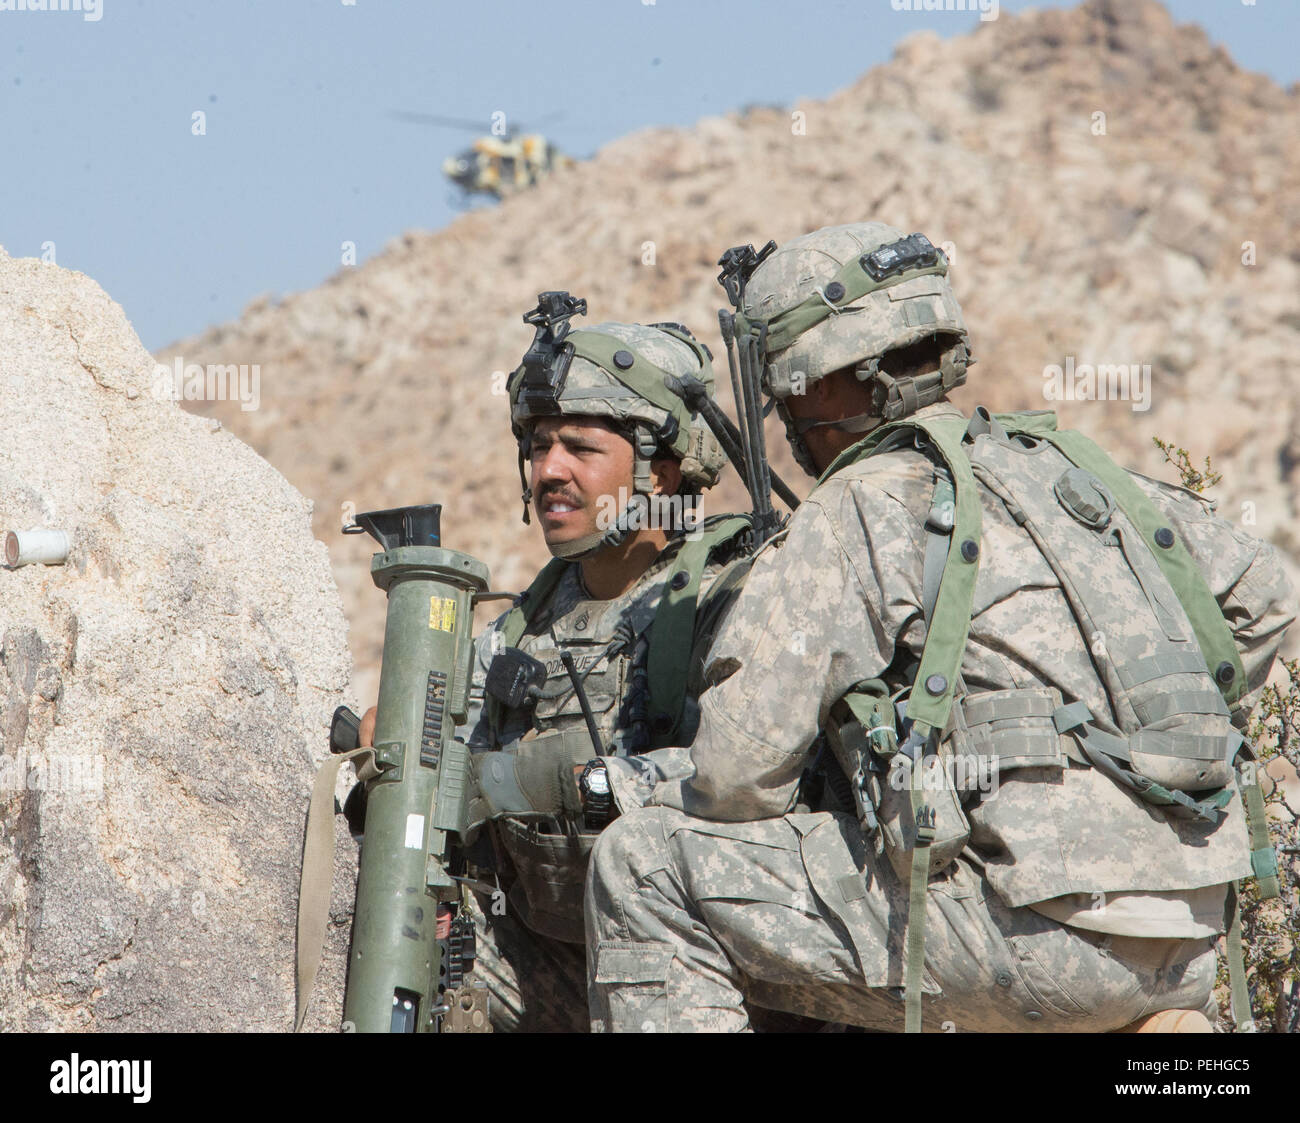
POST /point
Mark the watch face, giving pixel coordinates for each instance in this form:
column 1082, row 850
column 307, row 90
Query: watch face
column 598, row 781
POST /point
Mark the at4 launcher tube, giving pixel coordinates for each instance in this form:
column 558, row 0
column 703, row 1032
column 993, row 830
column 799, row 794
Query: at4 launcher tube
column 416, row 805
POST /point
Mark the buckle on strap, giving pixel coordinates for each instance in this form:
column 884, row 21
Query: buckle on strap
column 1071, row 717
column 925, row 825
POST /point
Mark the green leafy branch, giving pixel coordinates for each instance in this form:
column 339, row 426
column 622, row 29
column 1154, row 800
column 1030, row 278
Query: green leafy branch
column 1192, row 477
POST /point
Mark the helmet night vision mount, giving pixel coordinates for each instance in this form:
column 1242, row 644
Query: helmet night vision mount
column 546, row 363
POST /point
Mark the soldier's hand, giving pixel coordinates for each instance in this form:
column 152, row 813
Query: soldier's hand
column 366, row 734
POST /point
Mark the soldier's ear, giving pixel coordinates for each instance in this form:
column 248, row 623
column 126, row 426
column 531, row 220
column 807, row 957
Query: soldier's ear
column 666, row 475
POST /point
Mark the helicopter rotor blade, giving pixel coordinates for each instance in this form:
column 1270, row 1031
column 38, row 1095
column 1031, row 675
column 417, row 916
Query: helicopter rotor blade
column 541, row 122
column 443, row 122
column 513, row 126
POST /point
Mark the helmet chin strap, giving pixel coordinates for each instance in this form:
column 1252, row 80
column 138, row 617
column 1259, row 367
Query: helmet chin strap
column 796, row 427
column 858, row 423
column 624, row 527
column 802, row 456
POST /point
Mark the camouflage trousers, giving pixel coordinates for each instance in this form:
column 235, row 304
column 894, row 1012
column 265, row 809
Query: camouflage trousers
column 687, row 918
column 535, row 984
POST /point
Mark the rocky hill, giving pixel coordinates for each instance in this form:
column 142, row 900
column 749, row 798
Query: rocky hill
column 1114, row 190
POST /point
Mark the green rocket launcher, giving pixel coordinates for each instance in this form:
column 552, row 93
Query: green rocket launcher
column 400, row 974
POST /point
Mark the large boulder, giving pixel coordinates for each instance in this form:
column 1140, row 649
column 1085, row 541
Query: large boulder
column 164, row 695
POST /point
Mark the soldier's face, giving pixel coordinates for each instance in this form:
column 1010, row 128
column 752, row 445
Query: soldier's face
column 837, row 396
column 574, row 462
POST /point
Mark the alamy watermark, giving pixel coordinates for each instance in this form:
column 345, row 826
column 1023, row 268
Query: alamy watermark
column 216, row 382
column 1106, row 382
column 73, row 773
column 92, row 11
column 102, row 1077
column 651, row 512
column 962, row 772
column 988, row 9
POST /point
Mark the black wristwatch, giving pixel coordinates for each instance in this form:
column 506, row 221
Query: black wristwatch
column 597, row 799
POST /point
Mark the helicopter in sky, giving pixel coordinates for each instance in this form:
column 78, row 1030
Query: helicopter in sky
column 498, row 163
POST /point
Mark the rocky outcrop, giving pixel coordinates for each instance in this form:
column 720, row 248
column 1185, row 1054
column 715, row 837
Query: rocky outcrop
column 164, row 695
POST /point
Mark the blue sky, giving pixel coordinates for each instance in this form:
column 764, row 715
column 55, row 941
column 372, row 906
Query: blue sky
column 300, row 154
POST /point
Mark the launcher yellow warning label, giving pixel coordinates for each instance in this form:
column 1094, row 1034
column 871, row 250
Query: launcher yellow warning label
column 442, row 614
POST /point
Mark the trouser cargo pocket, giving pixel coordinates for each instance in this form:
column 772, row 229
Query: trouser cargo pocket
column 637, row 972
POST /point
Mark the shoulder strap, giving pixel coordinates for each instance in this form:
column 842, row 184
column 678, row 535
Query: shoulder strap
column 938, row 535
column 949, row 626
column 1212, row 632
column 317, row 876
column 673, row 628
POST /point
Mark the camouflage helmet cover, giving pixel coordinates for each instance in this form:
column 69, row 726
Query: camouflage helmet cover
column 592, row 390
column 895, row 314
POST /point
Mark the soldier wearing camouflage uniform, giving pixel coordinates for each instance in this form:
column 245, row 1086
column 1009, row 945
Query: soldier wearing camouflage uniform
column 530, row 950
column 1074, row 894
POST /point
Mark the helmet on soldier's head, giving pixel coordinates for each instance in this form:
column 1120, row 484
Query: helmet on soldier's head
column 614, row 386
column 845, row 296
column 616, row 371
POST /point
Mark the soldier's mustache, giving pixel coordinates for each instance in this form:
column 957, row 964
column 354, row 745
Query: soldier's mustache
column 559, row 493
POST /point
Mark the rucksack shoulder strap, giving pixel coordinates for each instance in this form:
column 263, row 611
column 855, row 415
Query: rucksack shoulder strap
column 949, row 625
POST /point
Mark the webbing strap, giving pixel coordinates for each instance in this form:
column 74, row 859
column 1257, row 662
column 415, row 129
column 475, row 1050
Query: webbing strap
column 1212, row 631
column 1071, row 717
column 1015, row 728
column 1025, row 748
column 1180, row 702
column 946, row 634
column 1009, row 705
column 938, row 536
column 1238, row 991
column 1103, row 749
column 1108, row 743
column 1161, row 743
column 1263, row 859
column 923, row 817
column 671, row 631
column 1151, row 667
column 1193, row 746
column 318, row 874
